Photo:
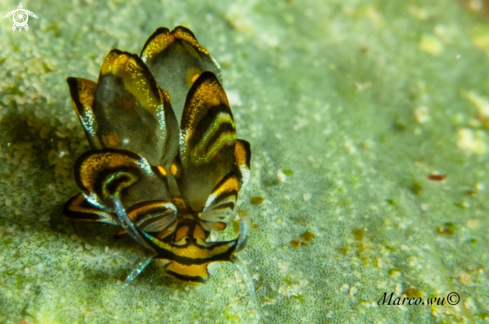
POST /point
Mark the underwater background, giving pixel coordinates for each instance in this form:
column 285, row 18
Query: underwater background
column 355, row 111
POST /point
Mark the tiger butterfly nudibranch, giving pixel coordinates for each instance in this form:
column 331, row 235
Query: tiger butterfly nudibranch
column 169, row 174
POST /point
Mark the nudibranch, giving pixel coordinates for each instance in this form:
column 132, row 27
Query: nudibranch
column 164, row 162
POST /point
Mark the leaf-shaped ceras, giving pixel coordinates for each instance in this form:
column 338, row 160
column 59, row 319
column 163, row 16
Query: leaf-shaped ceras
column 176, row 60
column 128, row 121
column 147, row 174
column 209, row 149
column 132, row 112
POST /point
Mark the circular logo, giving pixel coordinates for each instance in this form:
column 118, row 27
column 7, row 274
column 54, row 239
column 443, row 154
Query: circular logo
column 453, row 298
column 20, row 18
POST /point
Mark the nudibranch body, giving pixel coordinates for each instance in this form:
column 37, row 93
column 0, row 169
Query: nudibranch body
column 165, row 162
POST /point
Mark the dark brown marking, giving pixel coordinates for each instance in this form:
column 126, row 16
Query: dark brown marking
column 437, row 177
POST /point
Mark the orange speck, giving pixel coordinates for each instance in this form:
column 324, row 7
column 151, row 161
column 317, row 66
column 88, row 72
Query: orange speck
column 444, row 231
column 308, row 236
column 220, row 226
column 256, row 200
column 303, row 239
column 412, row 292
column 297, row 242
column 181, row 233
column 199, row 232
column 437, row 177
column 175, row 170
column 162, row 170
column 111, row 139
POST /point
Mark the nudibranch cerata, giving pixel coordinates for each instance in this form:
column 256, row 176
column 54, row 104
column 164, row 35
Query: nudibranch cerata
column 164, row 160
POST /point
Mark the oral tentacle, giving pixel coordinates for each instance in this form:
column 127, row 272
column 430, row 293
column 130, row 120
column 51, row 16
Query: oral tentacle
column 244, row 233
column 248, row 282
column 137, row 271
column 126, row 223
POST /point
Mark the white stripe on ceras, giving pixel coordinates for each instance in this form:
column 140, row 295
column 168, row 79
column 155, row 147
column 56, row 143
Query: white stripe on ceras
column 216, row 216
column 212, row 197
column 87, row 119
column 152, row 227
column 209, row 201
column 93, row 199
column 245, row 175
column 143, row 164
column 160, row 117
column 182, row 147
column 210, row 214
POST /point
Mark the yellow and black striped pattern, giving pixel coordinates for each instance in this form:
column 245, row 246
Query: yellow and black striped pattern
column 187, row 253
column 207, row 140
column 105, row 174
column 207, row 122
column 176, row 59
column 221, row 202
column 154, row 216
column 168, row 174
column 79, row 208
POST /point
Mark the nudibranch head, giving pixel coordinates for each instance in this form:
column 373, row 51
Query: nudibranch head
column 186, row 254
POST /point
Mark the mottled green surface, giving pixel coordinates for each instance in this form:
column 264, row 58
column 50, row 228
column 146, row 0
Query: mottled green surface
column 348, row 105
